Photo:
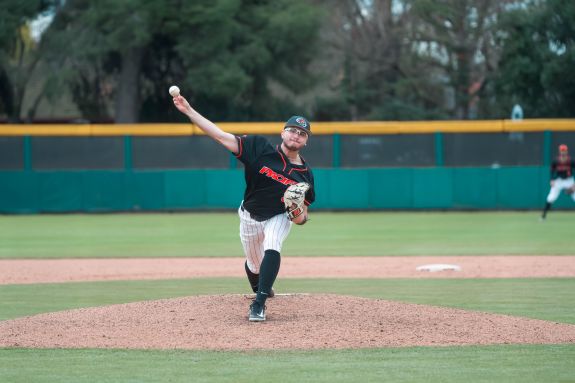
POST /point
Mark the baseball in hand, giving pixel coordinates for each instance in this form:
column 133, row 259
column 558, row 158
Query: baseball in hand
column 174, row 91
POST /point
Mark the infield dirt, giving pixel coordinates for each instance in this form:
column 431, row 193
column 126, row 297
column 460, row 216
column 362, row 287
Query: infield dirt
column 298, row 321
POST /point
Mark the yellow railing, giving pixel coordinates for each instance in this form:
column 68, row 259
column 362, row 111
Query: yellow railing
column 347, row 127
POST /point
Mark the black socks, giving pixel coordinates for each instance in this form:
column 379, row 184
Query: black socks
column 547, row 207
column 253, row 278
column 269, row 270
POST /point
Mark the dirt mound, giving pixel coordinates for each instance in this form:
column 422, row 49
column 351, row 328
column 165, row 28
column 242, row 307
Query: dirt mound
column 294, row 322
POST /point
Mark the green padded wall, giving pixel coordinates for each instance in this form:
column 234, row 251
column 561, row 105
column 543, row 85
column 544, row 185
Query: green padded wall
column 373, row 188
column 390, row 188
column 474, row 188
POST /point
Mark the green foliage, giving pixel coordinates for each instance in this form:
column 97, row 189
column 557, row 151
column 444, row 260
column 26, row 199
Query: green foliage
column 456, row 38
column 17, row 52
column 221, row 53
column 399, row 110
column 102, row 47
column 335, row 108
column 240, row 60
column 538, row 55
column 383, row 74
column 14, row 15
column 239, row 47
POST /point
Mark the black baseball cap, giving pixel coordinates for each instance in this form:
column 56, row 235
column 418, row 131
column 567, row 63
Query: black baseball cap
column 299, row 122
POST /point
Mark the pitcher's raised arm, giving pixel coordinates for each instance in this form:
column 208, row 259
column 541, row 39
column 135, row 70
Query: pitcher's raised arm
column 228, row 140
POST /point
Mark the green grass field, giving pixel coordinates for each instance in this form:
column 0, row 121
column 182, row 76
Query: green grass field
column 345, row 234
column 339, row 234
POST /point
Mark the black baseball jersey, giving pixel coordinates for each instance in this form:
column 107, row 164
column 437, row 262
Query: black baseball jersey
column 562, row 168
column 268, row 174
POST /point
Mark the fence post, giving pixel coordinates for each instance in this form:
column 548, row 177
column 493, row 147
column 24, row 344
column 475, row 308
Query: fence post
column 27, row 153
column 128, row 163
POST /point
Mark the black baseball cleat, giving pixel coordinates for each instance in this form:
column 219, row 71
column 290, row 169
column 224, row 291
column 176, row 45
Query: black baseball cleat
column 257, row 312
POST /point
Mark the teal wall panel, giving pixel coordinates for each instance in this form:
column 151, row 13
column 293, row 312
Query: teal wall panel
column 322, row 181
column 432, row 188
column 60, row 191
column 517, row 188
column 19, row 192
column 390, row 188
column 146, row 190
column 105, row 191
column 474, row 188
column 349, row 188
column 225, row 188
column 185, row 190
column 381, row 188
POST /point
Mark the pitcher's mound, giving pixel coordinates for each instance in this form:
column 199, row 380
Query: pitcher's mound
column 293, row 322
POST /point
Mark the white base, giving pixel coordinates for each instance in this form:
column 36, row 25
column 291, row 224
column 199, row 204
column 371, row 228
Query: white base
column 438, row 267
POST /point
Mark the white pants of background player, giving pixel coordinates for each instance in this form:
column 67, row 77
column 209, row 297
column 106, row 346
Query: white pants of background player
column 558, row 185
column 260, row 236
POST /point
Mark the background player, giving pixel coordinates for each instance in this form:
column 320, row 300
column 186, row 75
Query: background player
column 269, row 171
column 561, row 177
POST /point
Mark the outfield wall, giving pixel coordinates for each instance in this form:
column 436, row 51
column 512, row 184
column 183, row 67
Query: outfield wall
column 498, row 164
column 393, row 188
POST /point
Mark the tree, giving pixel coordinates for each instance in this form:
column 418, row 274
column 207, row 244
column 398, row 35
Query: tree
column 18, row 52
column 457, row 40
column 237, row 52
column 538, row 58
column 223, row 54
column 363, row 39
column 377, row 68
column 105, row 43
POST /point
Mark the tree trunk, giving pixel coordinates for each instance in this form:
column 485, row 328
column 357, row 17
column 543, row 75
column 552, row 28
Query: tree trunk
column 128, row 94
column 462, row 84
column 463, row 56
column 7, row 97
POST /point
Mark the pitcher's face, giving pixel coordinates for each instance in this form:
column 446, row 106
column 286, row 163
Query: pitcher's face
column 293, row 138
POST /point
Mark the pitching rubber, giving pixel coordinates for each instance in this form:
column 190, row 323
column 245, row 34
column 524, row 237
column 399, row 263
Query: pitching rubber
column 253, row 296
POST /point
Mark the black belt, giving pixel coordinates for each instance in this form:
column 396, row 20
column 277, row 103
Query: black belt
column 255, row 217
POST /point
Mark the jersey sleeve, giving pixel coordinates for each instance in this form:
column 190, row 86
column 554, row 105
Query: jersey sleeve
column 250, row 148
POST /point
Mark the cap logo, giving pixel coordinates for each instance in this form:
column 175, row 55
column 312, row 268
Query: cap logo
column 301, row 121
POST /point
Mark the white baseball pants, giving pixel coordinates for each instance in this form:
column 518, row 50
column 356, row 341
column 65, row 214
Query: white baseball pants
column 559, row 185
column 257, row 237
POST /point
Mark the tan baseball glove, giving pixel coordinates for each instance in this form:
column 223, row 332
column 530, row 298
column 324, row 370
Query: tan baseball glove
column 294, row 198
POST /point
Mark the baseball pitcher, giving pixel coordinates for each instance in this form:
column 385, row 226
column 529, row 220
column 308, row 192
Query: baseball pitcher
column 279, row 188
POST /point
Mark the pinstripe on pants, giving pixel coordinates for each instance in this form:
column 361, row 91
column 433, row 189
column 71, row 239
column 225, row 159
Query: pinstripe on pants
column 257, row 237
